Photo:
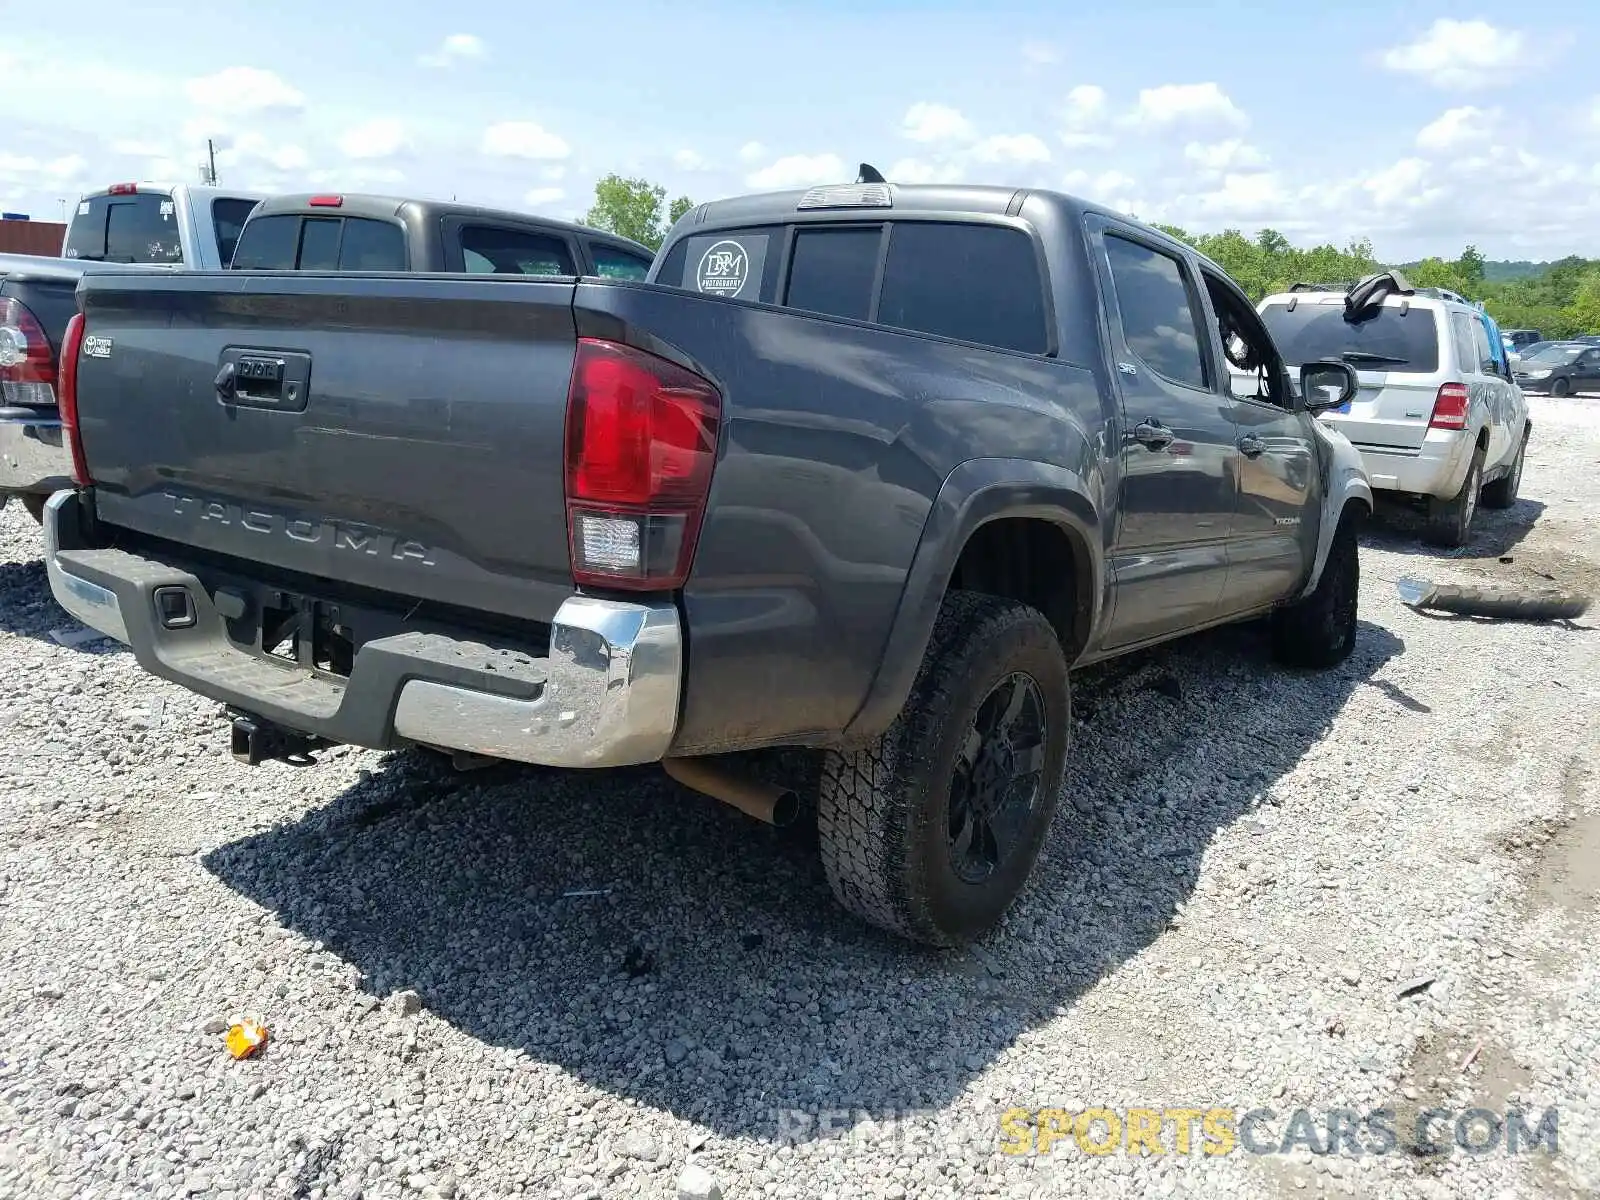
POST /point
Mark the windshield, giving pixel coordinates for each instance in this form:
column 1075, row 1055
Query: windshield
column 1384, row 339
column 139, row 227
column 1555, row 355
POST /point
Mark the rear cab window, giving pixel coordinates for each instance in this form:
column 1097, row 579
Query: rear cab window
column 126, row 227
column 1392, row 337
column 965, row 281
column 300, row 242
column 503, row 250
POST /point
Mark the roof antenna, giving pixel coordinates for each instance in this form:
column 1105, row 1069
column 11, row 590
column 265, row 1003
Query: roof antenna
column 870, row 174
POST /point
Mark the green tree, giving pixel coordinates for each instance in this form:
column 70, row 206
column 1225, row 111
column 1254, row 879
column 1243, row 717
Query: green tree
column 634, row 208
column 1470, row 268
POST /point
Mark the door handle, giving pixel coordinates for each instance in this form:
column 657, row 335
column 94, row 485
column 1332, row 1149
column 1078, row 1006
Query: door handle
column 1251, row 446
column 1152, row 435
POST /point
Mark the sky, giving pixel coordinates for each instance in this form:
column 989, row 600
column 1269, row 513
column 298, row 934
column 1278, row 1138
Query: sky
column 1421, row 126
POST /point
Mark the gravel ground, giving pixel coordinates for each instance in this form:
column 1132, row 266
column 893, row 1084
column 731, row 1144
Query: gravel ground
column 1252, row 866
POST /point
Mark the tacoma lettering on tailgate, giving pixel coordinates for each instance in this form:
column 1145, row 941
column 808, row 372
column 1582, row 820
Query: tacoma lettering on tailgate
column 340, row 535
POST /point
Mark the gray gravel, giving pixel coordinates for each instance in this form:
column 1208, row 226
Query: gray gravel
column 1252, row 867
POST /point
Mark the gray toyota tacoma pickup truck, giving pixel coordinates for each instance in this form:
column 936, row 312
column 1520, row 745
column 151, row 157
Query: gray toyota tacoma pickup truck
column 866, row 468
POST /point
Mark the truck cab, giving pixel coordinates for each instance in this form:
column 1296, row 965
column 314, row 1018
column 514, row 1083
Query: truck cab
column 351, row 232
column 188, row 226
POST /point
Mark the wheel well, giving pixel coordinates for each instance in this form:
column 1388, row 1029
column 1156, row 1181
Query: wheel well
column 1036, row 562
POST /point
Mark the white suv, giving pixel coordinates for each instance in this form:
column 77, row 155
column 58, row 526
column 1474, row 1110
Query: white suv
column 1437, row 417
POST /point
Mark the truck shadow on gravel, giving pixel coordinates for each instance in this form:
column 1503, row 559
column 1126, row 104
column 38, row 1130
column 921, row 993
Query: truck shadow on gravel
column 713, row 977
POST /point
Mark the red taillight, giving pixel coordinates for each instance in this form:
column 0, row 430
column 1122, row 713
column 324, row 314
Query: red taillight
column 69, row 397
column 641, row 444
column 27, row 367
column 123, row 189
column 1450, row 407
column 325, row 201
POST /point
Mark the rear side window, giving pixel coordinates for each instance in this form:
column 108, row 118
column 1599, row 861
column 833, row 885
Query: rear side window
column 228, row 216
column 612, row 263
column 1487, row 361
column 1384, row 339
column 979, row 283
column 1159, row 322
column 1461, row 335
column 141, row 227
column 290, row 242
column 492, row 250
column 832, row 271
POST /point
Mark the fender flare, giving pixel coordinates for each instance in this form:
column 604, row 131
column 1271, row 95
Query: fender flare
column 977, row 492
column 1346, row 487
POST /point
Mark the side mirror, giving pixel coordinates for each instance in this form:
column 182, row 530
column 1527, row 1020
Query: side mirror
column 1326, row 384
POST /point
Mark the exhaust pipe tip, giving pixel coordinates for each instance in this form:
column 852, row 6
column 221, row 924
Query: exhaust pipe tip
column 774, row 804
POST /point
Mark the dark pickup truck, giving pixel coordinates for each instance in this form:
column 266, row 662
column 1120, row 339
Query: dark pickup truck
column 867, row 468
column 350, row 232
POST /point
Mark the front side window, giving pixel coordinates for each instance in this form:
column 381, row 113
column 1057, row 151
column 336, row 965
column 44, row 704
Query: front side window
column 1159, row 322
column 228, row 215
column 1252, row 366
column 979, row 283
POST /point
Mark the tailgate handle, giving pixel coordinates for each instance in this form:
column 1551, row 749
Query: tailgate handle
column 270, row 379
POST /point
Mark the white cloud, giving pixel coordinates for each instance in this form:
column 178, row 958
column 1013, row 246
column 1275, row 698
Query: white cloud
column 1247, row 194
column 1455, row 129
column 1011, row 148
column 1083, row 118
column 926, row 122
column 799, row 170
column 256, row 151
column 1223, row 156
column 917, row 170
column 243, row 91
column 752, row 152
column 352, row 179
column 539, row 197
column 1460, row 54
column 1402, row 184
column 455, row 49
column 1186, row 104
column 690, row 160
column 381, row 137
column 1040, row 54
column 523, row 139
column 137, row 148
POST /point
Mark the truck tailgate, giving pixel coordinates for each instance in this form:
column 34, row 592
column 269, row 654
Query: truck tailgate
column 411, row 441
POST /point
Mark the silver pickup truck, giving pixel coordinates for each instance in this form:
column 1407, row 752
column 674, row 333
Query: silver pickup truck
column 127, row 226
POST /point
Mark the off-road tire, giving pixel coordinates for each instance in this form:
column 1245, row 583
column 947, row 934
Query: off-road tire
column 1450, row 521
column 883, row 811
column 1502, row 493
column 1318, row 631
column 34, row 503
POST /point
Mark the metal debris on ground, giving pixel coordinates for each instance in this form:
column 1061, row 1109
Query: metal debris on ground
column 246, row 1037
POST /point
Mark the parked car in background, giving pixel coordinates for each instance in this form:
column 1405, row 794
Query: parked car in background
column 355, row 232
column 1561, row 369
column 864, row 468
column 123, row 227
column 1516, row 339
column 1437, row 417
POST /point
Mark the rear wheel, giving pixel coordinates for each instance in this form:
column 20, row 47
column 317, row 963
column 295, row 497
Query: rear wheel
column 1502, row 493
column 1450, row 521
column 931, row 831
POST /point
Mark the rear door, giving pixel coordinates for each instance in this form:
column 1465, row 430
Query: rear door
column 1588, row 372
column 1177, row 455
column 1399, row 351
